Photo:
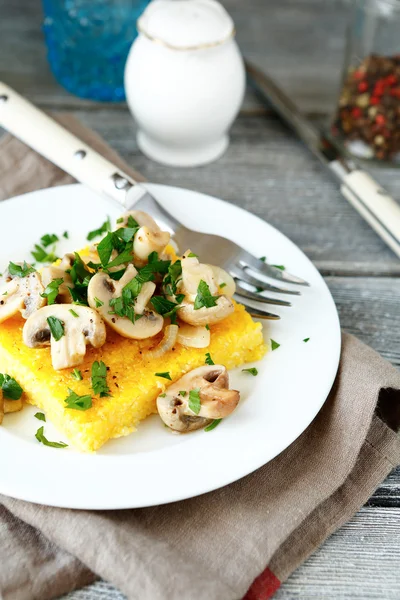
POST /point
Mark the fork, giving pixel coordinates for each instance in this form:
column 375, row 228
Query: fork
column 58, row 145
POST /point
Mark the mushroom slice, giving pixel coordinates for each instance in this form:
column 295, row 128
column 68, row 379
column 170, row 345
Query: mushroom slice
column 102, row 288
column 192, row 273
column 204, row 315
column 148, row 289
column 149, row 238
column 225, row 282
column 211, row 384
column 194, row 337
column 70, row 349
column 48, row 275
column 21, row 294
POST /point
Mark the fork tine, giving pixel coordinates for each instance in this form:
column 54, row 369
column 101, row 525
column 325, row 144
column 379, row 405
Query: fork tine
column 256, row 264
column 243, row 293
column 258, row 313
column 240, row 273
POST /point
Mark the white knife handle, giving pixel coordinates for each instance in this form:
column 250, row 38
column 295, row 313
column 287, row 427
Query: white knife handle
column 374, row 203
column 37, row 130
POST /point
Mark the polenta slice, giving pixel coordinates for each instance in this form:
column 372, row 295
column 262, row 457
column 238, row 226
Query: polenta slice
column 131, row 376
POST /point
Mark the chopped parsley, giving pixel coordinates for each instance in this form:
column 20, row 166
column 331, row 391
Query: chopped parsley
column 222, row 285
column 208, row 327
column 280, row 267
column 166, row 375
column 99, row 379
column 192, row 255
column 66, row 235
column 183, row 393
column 56, row 328
column 20, row 270
column 194, row 400
column 253, row 371
column 52, row 290
column 165, row 307
column 263, row 258
column 40, row 416
column 106, row 226
column 212, row 425
column 209, row 360
column 11, row 388
column 81, row 277
column 41, row 255
column 120, row 220
column 157, row 265
column 77, row 375
column 73, row 313
column 78, row 402
column 98, row 302
column 172, row 278
column 162, row 395
column 274, row 345
column 42, row 439
column 306, row 340
column 48, row 239
column 204, row 297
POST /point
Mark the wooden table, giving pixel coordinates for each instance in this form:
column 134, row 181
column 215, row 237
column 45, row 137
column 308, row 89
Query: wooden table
column 268, row 171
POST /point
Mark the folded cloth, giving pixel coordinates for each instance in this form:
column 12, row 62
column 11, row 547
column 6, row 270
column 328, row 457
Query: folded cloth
column 240, row 541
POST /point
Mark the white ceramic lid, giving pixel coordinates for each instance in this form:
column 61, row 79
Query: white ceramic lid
column 186, row 23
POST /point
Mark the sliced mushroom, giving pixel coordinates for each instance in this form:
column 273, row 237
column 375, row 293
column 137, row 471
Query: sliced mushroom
column 206, row 316
column 21, row 294
column 49, row 274
column 193, row 337
column 225, row 282
column 149, row 238
column 216, row 399
column 70, row 349
column 103, row 288
column 192, row 273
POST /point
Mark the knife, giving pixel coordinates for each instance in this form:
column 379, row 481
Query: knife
column 374, row 203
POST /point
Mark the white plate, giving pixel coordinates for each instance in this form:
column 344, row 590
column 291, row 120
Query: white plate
column 154, row 466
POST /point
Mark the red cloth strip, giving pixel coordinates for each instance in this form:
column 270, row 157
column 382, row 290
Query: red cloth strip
column 264, row 587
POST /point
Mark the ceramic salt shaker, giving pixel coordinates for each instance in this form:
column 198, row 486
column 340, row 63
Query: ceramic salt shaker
column 184, row 81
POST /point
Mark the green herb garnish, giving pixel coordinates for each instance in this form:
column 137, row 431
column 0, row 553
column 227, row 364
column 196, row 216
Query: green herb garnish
column 194, row 401
column 66, row 235
column 73, row 313
column 204, row 297
column 41, row 438
column 77, row 375
column 56, row 328
column 52, row 290
column 306, row 340
column 11, row 388
column 120, row 220
column 41, row 255
column 106, row 226
column 40, row 416
column 166, row 375
column 208, row 327
column 99, row 379
column 192, row 255
column 274, row 345
column 78, row 402
column 183, row 393
column 20, row 270
column 209, row 360
column 48, row 238
column 162, row 395
column 98, row 302
column 263, row 258
column 253, row 371
column 213, row 425
column 280, row 267
column 222, row 285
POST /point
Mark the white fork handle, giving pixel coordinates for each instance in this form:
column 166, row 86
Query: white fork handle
column 37, row 130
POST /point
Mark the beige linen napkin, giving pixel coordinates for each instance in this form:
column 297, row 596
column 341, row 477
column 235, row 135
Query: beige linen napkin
column 240, row 541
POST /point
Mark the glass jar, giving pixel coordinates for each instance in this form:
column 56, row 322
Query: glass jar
column 367, row 120
column 88, row 42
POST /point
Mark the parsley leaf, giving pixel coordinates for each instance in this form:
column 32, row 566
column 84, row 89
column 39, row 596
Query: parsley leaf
column 20, row 270
column 263, row 258
column 204, row 297
column 48, row 238
column 78, row 402
column 280, row 267
column 66, row 235
column 209, row 360
column 56, row 328
column 77, row 375
column 98, row 302
column 41, row 255
column 222, row 285
column 183, row 393
column 163, row 306
column 212, row 425
column 193, row 255
column 253, row 371
column 41, row 438
column 11, row 388
column 40, row 416
column 274, row 345
column 166, row 375
column 306, row 340
column 52, row 290
column 81, row 278
column 208, row 327
column 73, row 313
column 172, row 278
column 194, row 400
column 105, row 248
column 106, row 226
column 99, row 379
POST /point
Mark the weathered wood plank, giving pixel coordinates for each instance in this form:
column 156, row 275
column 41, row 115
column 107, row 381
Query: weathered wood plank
column 280, row 36
column 360, row 561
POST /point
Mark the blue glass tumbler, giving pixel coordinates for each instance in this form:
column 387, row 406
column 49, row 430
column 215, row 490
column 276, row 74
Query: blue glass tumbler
column 88, row 42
